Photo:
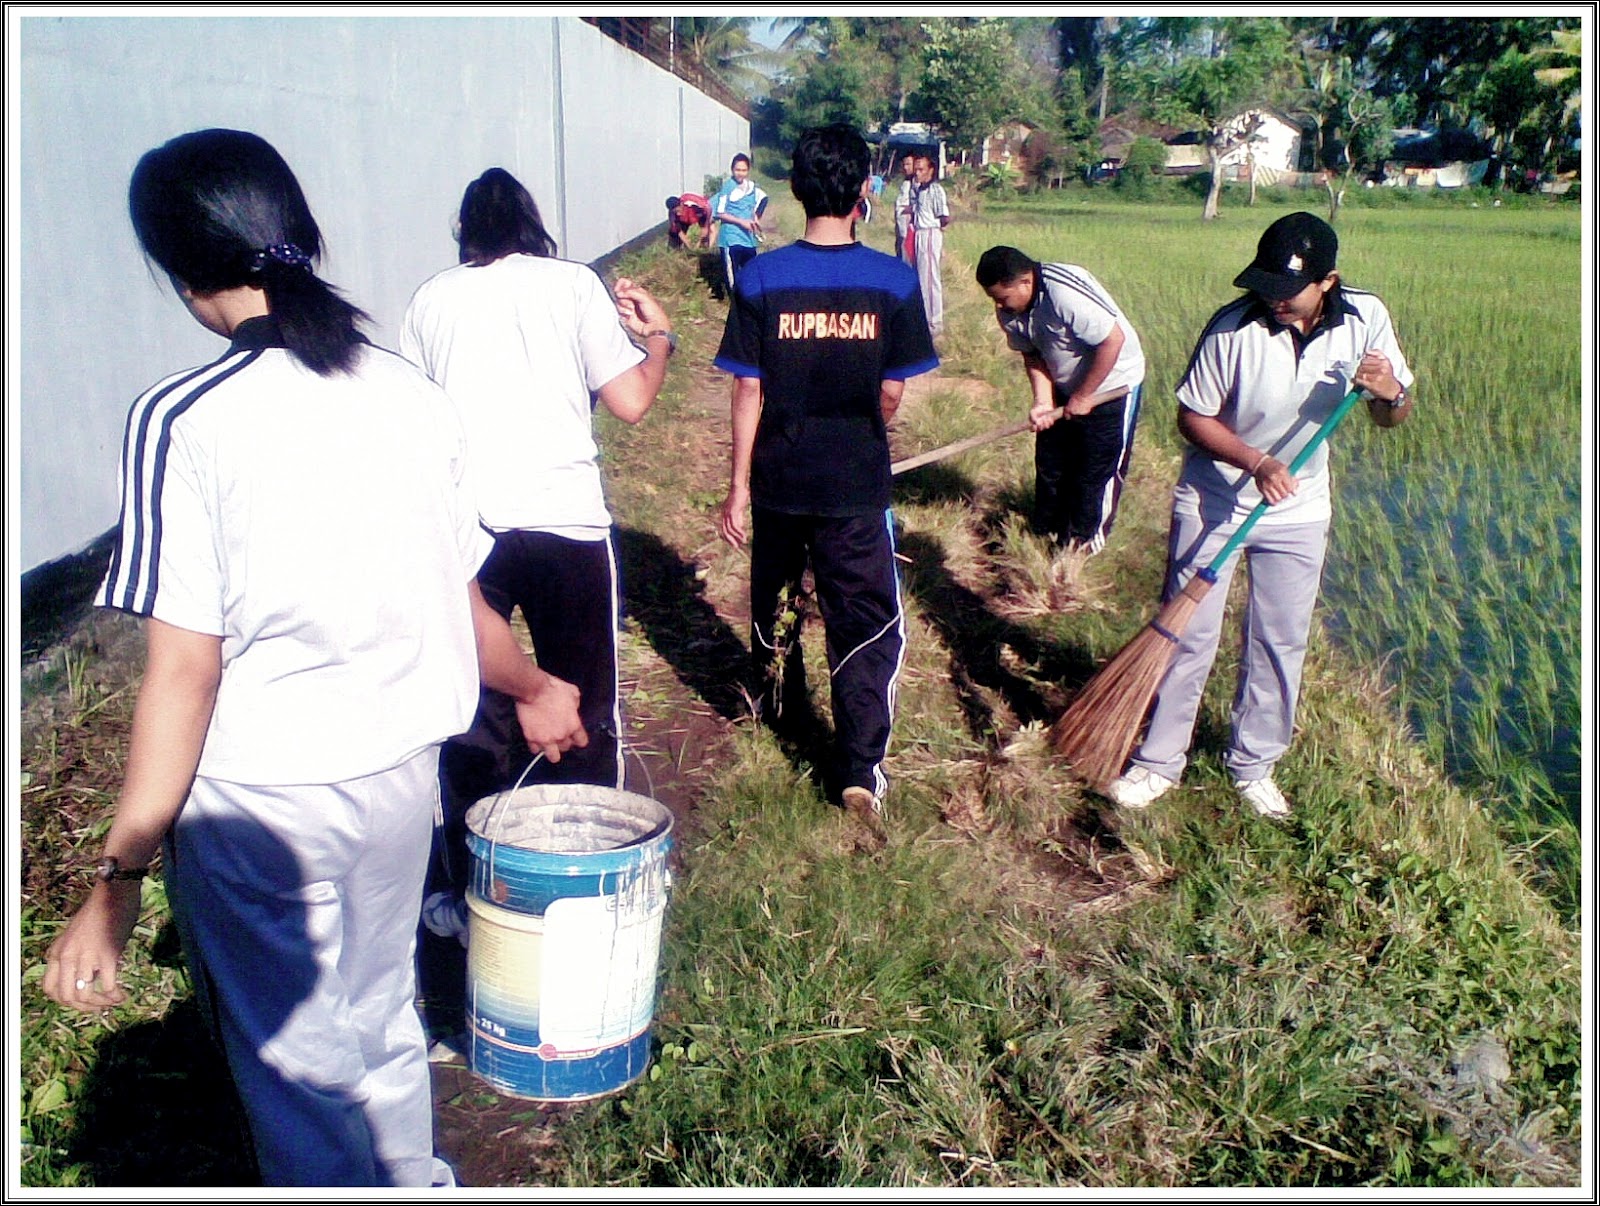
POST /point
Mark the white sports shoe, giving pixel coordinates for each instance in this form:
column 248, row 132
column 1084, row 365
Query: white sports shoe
column 445, row 914
column 1139, row 788
column 1263, row 796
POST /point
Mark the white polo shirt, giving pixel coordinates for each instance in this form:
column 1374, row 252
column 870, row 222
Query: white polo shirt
column 322, row 528
column 1274, row 389
column 1070, row 316
column 521, row 346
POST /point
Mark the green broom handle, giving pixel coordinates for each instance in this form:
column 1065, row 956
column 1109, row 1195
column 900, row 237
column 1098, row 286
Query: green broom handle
column 1322, row 433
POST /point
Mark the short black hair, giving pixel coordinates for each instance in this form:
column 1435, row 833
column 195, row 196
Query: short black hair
column 831, row 163
column 499, row 218
column 741, row 157
column 1000, row 264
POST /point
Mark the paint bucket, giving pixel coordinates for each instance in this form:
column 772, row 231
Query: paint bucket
column 567, row 894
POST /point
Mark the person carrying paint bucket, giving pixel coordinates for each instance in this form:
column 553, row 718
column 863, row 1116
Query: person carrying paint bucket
column 566, row 898
column 293, row 824
column 523, row 342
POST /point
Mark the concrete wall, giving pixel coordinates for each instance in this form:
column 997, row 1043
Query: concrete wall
column 384, row 120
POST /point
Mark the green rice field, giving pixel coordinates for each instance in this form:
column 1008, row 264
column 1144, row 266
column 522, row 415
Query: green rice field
column 1455, row 556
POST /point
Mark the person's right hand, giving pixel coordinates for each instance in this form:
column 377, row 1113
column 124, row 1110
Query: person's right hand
column 1273, row 479
column 81, row 966
column 730, row 520
column 637, row 308
column 549, row 718
column 1043, row 415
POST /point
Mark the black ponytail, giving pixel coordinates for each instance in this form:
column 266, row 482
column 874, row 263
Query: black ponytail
column 217, row 209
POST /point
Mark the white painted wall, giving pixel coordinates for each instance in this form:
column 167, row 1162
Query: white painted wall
column 384, row 120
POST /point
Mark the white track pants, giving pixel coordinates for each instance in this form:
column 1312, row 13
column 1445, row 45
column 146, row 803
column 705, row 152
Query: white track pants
column 929, row 252
column 298, row 908
column 1285, row 566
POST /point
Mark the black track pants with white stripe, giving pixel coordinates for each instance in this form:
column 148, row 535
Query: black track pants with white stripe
column 1080, row 465
column 858, row 593
column 567, row 591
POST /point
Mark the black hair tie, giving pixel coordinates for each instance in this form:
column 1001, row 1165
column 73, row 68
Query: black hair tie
column 283, row 253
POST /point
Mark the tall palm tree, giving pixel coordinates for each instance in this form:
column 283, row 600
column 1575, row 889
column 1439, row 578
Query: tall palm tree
column 723, row 46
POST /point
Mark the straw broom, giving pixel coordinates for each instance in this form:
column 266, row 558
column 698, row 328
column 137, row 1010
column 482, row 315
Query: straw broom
column 1096, row 734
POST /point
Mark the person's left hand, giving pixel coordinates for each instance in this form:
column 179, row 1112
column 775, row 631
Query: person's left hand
column 637, row 309
column 731, row 516
column 1080, row 404
column 81, row 966
column 1376, row 375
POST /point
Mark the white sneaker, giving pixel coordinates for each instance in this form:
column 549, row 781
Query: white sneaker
column 445, row 914
column 1139, row 787
column 1263, row 796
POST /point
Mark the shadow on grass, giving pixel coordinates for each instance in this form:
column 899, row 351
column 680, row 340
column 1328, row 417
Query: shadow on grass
column 708, row 268
column 159, row 1107
column 976, row 637
column 661, row 592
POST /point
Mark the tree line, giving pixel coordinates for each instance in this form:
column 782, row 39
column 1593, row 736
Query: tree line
column 1512, row 81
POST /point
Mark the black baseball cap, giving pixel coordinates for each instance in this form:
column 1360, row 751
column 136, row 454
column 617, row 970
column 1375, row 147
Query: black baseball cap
column 1297, row 250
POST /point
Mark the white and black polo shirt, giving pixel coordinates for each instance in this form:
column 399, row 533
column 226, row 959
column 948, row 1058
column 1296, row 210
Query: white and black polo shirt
column 1274, row 388
column 1071, row 315
column 322, row 528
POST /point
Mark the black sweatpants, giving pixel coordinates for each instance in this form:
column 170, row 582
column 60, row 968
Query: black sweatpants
column 568, row 592
column 858, row 592
column 1080, row 465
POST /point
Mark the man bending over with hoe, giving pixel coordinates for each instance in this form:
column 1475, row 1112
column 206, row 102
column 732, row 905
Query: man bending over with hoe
column 1076, row 344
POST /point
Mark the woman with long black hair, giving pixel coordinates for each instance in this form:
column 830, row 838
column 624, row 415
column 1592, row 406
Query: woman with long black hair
column 296, row 533
column 524, row 343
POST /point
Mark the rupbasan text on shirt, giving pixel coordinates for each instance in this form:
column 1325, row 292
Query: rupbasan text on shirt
column 825, row 325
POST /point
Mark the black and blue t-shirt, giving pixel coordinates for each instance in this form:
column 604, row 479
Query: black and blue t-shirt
column 822, row 328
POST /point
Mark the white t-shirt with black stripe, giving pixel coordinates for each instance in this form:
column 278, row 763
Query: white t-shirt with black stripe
column 521, row 346
column 1071, row 315
column 1274, row 388
column 322, row 527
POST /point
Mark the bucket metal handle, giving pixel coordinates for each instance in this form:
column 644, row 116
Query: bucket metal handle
column 494, row 810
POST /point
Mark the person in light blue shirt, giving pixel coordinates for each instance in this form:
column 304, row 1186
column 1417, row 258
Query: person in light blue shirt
column 737, row 210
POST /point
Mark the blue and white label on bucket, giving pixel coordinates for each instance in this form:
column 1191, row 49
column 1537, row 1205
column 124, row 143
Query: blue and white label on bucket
column 598, row 969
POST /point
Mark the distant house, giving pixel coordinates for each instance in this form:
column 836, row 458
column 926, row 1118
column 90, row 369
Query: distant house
column 1006, row 144
column 1117, row 133
column 1270, row 143
column 1437, row 159
column 1277, row 144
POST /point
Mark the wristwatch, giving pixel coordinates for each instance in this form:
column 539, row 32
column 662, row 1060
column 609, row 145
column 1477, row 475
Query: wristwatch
column 672, row 339
column 1400, row 399
column 110, row 868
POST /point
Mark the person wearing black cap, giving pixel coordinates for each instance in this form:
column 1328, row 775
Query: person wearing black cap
column 1269, row 368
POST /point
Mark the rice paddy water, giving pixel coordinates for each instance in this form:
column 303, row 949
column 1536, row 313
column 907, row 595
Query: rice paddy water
column 1455, row 556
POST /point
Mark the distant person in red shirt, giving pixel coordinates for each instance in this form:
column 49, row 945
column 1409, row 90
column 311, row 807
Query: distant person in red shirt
column 689, row 212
